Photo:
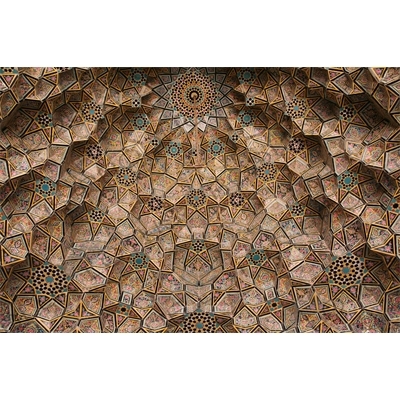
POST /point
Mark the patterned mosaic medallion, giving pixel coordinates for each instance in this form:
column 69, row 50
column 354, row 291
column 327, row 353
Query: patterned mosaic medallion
column 199, row 322
column 199, row 200
column 346, row 270
column 49, row 279
column 296, row 108
column 193, row 94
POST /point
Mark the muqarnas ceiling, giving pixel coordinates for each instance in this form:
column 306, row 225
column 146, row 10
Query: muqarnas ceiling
column 199, row 199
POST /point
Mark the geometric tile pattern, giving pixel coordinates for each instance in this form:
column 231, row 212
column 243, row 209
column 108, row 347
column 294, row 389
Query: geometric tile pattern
column 199, row 199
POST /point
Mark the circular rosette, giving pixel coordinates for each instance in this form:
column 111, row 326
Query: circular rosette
column 346, row 270
column 49, row 279
column 199, row 322
column 256, row 257
column 193, row 95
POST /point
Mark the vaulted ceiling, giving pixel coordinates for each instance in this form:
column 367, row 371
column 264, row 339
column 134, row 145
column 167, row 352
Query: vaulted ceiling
column 199, row 199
